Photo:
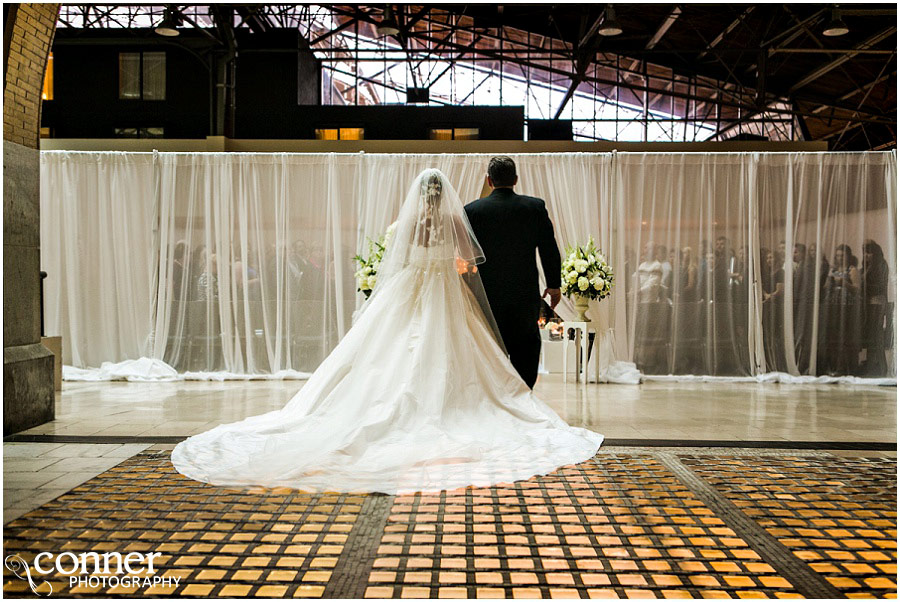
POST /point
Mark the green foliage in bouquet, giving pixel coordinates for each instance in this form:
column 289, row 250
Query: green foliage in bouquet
column 366, row 275
column 586, row 273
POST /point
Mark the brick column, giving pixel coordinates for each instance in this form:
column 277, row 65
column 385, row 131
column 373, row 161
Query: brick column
column 27, row 365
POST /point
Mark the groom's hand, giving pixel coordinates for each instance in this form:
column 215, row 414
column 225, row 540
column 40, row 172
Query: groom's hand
column 555, row 296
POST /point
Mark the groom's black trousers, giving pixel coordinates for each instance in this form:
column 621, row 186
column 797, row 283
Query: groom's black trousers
column 519, row 329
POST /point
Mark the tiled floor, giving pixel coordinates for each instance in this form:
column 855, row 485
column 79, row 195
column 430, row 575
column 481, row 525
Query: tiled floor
column 634, row 522
column 631, row 523
column 35, row 473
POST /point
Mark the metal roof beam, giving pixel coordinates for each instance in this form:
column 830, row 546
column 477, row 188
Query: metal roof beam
column 331, row 32
column 718, row 39
column 413, row 19
column 855, row 91
column 568, row 74
column 584, row 56
column 843, row 59
column 592, row 30
column 256, row 19
column 664, row 28
column 793, row 31
column 863, row 101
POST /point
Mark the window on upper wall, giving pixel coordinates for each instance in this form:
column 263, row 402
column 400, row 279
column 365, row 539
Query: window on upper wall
column 47, row 93
column 141, row 132
column 465, row 133
column 340, row 133
column 440, row 134
column 453, row 134
column 142, row 75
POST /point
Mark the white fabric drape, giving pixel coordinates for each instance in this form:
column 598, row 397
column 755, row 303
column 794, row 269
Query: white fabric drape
column 241, row 264
column 253, row 258
column 685, row 319
column 722, row 273
column 97, row 226
column 826, row 211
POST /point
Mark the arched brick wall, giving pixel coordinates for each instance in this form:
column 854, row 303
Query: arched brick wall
column 27, row 365
column 29, row 39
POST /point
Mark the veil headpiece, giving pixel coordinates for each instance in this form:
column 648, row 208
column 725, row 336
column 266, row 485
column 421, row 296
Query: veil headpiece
column 431, row 226
column 433, row 232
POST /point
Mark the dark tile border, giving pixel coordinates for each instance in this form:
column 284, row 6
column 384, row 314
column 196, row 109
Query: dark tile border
column 609, row 442
column 806, row 581
column 349, row 578
column 96, row 439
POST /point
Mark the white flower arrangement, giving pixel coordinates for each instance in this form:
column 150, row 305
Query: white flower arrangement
column 586, row 273
column 367, row 274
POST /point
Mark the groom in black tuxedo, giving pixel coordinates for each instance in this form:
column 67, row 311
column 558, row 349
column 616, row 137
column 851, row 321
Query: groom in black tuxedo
column 509, row 228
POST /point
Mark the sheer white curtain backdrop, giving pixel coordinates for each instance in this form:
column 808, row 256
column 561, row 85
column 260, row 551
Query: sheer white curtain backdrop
column 98, row 216
column 730, row 264
column 239, row 265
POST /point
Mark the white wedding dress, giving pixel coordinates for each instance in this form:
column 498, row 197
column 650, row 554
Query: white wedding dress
column 418, row 396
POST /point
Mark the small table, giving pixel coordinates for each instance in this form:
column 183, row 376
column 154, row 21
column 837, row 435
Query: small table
column 582, row 343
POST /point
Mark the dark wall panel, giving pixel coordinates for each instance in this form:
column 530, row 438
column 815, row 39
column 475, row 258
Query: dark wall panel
column 381, row 122
column 277, row 91
column 86, row 100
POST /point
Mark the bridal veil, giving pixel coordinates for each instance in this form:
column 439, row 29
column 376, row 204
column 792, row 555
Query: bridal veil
column 433, row 231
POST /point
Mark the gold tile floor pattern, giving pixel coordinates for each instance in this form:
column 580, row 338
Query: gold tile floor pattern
column 619, row 526
column 838, row 517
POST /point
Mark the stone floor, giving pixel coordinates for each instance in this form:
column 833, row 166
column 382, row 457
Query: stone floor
column 701, row 490
column 655, row 410
column 35, row 473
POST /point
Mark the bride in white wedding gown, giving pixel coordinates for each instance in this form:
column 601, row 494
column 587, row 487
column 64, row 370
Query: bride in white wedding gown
column 418, row 396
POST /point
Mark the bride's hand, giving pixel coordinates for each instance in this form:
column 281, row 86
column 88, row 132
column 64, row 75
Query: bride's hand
column 463, row 266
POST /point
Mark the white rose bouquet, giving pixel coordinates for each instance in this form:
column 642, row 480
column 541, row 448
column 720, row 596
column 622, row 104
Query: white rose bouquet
column 366, row 275
column 585, row 272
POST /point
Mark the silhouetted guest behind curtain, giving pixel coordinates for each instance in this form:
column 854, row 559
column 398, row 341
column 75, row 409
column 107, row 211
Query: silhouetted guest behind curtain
column 180, row 259
column 739, row 276
column 723, row 350
column 687, row 277
column 721, row 270
column 820, row 268
column 843, row 314
column 663, row 259
column 804, row 291
column 180, row 275
column 629, row 262
column 773, row 313
column 874, row 286
column 649, row 277
column 740, row 280
column 651, row 321
column 824, row 268
column 687, row 311
column 198, row 265
column 703, row 269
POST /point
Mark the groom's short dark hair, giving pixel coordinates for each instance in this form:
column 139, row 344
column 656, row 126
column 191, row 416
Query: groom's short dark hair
column 502, row 171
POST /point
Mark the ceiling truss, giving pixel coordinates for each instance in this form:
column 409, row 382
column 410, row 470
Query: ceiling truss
column 662, row 80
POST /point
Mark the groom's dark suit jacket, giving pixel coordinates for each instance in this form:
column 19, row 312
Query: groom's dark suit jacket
column 510, row 227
